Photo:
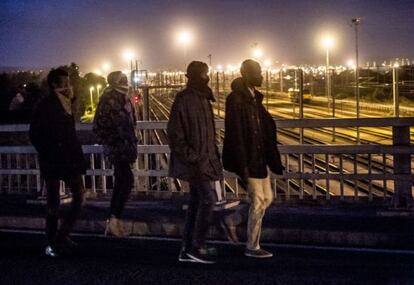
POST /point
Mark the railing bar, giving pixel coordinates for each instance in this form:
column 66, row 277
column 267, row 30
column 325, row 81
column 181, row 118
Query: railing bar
column 328, row 196
column 27, row 176
column 369, row 181
column 103, row 166
column 356, row 180
column 313, row 180
column 341, row 171
column 19, row 177
column 384, row 171
column 288, row 180
column 93, row 182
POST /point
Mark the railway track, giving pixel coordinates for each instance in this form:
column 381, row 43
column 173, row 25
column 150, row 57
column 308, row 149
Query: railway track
column 361, row 187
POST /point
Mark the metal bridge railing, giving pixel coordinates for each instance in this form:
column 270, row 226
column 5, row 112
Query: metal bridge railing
column 369, row 172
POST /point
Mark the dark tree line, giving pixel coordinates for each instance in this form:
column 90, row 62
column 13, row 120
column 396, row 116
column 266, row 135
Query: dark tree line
column 33, row 86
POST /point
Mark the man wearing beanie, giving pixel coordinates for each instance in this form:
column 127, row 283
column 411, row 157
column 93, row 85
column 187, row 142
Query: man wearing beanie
column 250, row 149
column 195, row 158
column 114, row 126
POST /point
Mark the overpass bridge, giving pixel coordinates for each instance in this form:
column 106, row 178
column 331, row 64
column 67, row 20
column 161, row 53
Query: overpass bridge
column 330, row 194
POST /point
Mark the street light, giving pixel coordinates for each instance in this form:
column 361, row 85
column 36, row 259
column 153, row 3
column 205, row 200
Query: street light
column 106, row 66
column 184, row 39
column 328, row 42
column 257, row 53
column 91, row 89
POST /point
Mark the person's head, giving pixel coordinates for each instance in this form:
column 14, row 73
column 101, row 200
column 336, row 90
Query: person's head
column 251, row 73
column 117, row 79
column 58, row 81
column 197, row 72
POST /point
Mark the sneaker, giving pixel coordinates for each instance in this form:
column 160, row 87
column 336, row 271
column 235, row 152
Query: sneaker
column 201, row 255
column 183, row 257
column 52, row 251
column 258, row 253
column 114, row 227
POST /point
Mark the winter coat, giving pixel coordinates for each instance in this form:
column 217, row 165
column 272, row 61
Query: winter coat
column 250, row 134
column 114, row 126
column 192, row 137
column 53, row 134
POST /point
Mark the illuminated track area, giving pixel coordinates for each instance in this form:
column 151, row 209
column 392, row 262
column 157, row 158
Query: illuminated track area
column 319, row 164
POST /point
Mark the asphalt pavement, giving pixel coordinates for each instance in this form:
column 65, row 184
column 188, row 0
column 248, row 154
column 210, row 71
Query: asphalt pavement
column 152, row 260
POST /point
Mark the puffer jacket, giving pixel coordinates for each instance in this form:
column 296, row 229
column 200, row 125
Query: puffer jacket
column 250, row 134
column 114, row 126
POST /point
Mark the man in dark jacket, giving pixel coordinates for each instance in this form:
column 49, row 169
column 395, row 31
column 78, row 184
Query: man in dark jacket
column 250, row 149
column 53, row 134
column 195, row 158
column 114, row 126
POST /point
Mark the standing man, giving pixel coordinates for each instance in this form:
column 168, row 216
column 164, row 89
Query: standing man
column 250, row 149
column 53, row 134
column 114, row 126
column 195, row 158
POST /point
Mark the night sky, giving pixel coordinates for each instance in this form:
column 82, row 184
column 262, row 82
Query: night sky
column 38, row 33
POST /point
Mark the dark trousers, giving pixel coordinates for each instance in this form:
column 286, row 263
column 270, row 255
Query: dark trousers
column 124, row 180
column 199, row 214
column 53, row 202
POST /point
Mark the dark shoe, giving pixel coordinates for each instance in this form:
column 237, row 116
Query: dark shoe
column 258, row 253
column 230, row 232
column 201, row 255
column 183, row 257
column 52, row 251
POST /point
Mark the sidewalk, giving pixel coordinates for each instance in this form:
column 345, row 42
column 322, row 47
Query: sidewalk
column 304, row 225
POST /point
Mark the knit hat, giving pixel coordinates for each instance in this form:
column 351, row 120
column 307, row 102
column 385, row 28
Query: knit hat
column 114, row 78
column 195, row 68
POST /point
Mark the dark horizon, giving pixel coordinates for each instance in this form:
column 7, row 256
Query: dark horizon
column 44, row 34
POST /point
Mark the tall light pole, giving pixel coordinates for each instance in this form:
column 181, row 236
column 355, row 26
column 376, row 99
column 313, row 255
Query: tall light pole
column 328, row 42
column 128, row 55
column 268, row 64
column 395, row 91
column 355, row 23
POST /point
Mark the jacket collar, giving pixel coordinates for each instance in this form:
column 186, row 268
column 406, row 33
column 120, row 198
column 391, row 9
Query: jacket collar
column 239, row 86
column 208, row 95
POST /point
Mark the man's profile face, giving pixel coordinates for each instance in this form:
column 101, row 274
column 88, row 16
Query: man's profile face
column 204, row 76
column 63, row 83
column 64, row 87
column 254, row 76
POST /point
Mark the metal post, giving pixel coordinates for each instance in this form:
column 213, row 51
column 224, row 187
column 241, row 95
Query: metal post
column 218, row 93
column 356, row 22
column 281, row 80
column 402, row 165
column 395, row 91
column 146, row 132
column 328, row 90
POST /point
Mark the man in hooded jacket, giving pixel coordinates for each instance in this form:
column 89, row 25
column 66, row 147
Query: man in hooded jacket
column 250, row 149
column 195, row 158
column 53, row 134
